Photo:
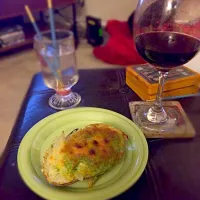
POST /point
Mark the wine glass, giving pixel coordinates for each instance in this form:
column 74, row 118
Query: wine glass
column 58, row 67
column 166, row 35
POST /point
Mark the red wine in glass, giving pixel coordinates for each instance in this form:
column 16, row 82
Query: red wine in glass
column 166, row 50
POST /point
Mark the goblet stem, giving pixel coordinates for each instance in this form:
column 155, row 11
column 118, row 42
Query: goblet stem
column 156, row 113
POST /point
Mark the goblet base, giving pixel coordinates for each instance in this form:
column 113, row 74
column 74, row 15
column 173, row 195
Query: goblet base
column 62, row 102
column 176, row 125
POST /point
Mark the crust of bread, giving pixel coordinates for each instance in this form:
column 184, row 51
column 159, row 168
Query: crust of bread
column 52, row 182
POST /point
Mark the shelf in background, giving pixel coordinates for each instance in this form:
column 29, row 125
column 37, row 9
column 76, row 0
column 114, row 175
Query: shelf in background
column 12, row 12
column 29, row 35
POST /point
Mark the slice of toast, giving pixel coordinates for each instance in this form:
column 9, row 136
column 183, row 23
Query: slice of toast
column 84, row 154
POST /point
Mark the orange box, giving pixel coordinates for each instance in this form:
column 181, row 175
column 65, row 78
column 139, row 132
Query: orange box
column 143, row 80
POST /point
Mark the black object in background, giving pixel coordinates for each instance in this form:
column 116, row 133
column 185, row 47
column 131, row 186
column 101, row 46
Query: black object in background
column 94, row 31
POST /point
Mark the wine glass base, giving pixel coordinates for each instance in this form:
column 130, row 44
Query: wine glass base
column 177, row 124
column 168, row 125
column 60, row 102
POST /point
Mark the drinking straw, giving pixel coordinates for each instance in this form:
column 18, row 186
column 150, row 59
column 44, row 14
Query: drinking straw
column 28, row 11
column 52, row 25
column 53, row 34
column 56, row 74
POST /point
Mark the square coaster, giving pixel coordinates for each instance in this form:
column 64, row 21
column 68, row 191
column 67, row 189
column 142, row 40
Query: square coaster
column 182, row 129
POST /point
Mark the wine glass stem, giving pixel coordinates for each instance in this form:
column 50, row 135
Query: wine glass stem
column 156, row 113
column 158, row 101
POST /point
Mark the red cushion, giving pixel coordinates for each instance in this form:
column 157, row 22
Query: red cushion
column 120, row 48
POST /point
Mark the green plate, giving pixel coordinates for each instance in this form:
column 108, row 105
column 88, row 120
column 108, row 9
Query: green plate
column 112, row 183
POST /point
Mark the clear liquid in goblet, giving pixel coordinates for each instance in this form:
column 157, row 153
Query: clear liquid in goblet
column 67, row 69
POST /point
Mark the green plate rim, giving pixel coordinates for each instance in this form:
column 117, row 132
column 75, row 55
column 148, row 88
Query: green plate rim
column 31, row 132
